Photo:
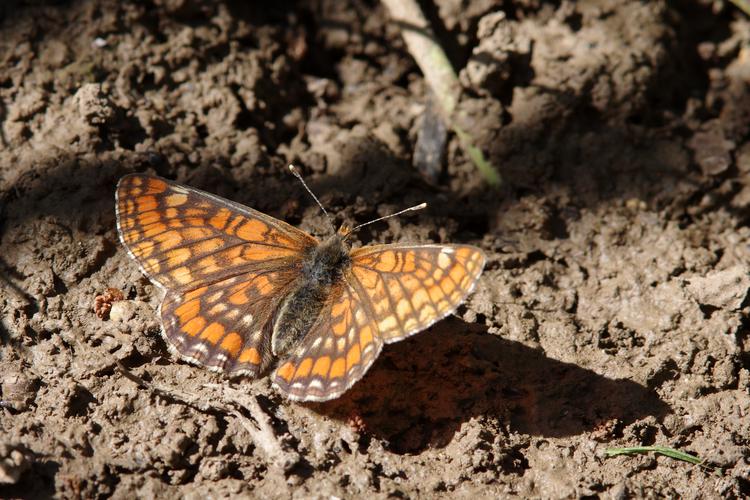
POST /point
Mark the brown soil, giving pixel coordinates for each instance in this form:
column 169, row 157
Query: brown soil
column 612, row 312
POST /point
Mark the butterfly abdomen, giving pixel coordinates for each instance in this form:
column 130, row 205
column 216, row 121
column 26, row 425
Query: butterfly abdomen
column 321, row 272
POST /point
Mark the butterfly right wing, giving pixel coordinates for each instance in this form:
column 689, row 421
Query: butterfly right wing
column 389, row 293
column 410, row 287
column 338, row 350
column 226, row 326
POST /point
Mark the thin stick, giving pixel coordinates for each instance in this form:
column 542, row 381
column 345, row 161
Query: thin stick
column 294, row 172
column 261, row 429
column 410, row 209
column 439, row 75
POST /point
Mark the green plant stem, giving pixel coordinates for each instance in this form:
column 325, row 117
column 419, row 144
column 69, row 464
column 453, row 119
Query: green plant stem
column 660, row 450
column 743, row 5
column 439, row 75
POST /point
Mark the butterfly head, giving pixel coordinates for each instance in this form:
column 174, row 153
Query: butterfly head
column 344, row 231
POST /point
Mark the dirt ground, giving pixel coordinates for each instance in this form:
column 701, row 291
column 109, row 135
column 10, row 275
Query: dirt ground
column 613, row 310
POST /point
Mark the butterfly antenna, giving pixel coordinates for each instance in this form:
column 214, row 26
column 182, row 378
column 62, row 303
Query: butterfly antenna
column 294, row 172
column 410, row 209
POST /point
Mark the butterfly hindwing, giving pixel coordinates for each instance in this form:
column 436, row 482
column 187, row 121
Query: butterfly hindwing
column 226, row 326
column 183, row 238
column 411, row 287
column 337, row 351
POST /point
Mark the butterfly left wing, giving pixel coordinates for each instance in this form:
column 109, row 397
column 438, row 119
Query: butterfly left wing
column 226, row 326
column 337, row 351
column 225, row 268
column 411, row 287
column 184, row 238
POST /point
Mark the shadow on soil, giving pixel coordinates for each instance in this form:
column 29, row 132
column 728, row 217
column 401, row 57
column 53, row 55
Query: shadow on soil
column 421, row 390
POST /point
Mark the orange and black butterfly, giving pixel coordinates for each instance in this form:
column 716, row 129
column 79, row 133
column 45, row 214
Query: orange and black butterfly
column 244, row 289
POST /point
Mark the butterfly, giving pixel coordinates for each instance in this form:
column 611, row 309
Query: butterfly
column 244, row 290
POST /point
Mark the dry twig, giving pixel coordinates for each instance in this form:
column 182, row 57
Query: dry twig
column 231, row 402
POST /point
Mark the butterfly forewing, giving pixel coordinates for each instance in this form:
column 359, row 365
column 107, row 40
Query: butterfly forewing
column 183, row 238
column 411, row 287
column 337, row 351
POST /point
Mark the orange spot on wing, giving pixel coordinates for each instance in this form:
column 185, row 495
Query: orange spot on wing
column 208, row 246
column 182, row 275
column 435, row 293
column 194, row 326
column 178, row 256
column 447, row 286
column 155, row 186
column 195, row 233
column 154, row 229
column 152, row 265
column 250, row 355
column 338, row 368
column 340, row 307
column 188, row 310
column 409, row 263
column 457, row 274
column 321, row 366
column 262, row 284
column 150, row 217
column 340, row 328
column 403, row 309
column 169, row 239
column 233, row 224
column 365, row 335
column 213, row 332
column 387, row 262
column 286, row 371
column 127, row 207
column 258, row 252
column 421, row 273
column 196, row 293
column 420, row 298
column 146, row 203
column 252, row 230
column 232, row 343
column 464, row 253
column 219, row 221
column 239, row 297
column 195, row 221
column 353, row 356
column 143, row 249
column 388, row 323
column 368, row 278
column 208, row 265
column 304, row 368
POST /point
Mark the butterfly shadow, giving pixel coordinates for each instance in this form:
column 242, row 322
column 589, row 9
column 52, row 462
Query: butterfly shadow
column 420, row 391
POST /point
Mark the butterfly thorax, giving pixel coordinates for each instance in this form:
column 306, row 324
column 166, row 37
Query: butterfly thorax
column 322, row 268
